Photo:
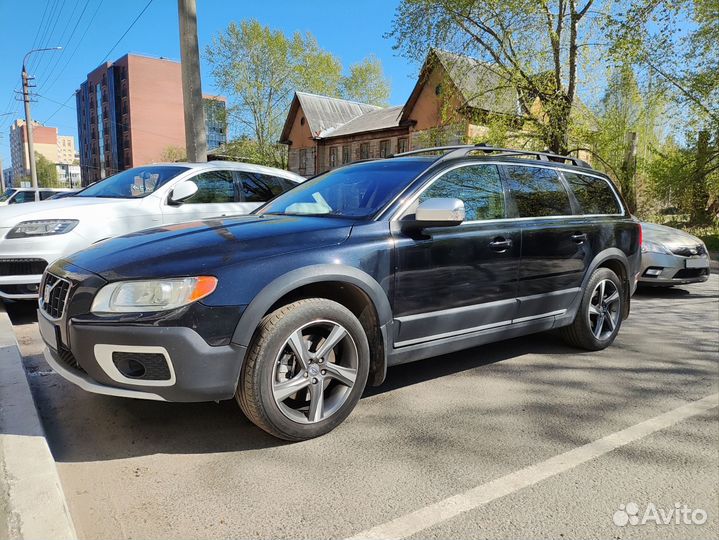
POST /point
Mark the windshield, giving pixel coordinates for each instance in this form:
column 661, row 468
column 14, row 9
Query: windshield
column 355, row 191
column 8, row 193
column 132, row 183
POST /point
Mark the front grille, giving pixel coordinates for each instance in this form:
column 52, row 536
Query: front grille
column 689, row 251
column 53, row 295
column 22, row 267
column 67, row 358
column 690, row 273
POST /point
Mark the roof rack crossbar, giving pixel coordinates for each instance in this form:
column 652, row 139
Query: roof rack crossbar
column 462, row 150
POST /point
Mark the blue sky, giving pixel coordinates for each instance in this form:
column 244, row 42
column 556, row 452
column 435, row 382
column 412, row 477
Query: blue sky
column 349, row 30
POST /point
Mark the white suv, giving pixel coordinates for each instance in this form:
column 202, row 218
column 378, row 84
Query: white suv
column 33, row 235
column 26, row 195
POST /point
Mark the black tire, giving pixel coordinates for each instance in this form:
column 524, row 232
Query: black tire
column 581, row 333
column 255, row 391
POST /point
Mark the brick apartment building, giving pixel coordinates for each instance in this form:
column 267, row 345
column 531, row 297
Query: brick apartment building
column 59, row 149
column 129, row 112
column 453, row 101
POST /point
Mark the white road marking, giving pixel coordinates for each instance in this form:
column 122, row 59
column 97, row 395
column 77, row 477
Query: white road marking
column 419, row 520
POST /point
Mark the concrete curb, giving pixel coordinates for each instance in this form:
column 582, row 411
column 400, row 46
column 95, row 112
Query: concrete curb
column 34, row 504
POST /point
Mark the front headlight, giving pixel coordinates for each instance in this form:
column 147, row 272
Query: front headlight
column 654, row 247
column 152, row 295
column 42, row 227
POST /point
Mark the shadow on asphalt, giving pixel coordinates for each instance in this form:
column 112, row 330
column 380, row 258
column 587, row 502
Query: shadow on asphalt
column 85, row 427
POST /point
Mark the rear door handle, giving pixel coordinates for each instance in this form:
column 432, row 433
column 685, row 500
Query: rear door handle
column 579, row 237
column 500, row 244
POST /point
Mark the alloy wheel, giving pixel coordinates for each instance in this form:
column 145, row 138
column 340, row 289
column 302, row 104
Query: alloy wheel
column 604, row 309
column 315, row 371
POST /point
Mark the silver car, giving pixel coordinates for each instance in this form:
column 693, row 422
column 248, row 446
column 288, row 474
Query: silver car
column 672, row 257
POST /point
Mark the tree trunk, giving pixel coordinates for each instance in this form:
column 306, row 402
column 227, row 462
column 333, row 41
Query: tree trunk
column 629, row 171
column 699, row 180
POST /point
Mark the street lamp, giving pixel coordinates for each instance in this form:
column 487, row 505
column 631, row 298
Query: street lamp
column 28, row 116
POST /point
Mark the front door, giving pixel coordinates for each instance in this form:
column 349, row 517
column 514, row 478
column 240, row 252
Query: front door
column 554, row 242
column 456, row 280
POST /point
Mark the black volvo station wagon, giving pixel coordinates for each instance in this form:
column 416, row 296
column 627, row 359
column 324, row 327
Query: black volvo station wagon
column 295, row 309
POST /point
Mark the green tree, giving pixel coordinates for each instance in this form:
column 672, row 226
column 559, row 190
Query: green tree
column 46, row 172
column 366, row 83
column 172, row 154
column 260, row 69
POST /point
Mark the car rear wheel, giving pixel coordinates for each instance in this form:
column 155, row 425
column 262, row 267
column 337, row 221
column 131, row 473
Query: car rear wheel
column 600, row 313
column 305, row 370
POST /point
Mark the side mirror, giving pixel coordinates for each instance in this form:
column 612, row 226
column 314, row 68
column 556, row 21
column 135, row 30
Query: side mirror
column 445, row 212
column 183, row 191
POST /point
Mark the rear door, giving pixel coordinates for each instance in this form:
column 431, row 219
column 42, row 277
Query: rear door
column 451, row 281
column 555, row 251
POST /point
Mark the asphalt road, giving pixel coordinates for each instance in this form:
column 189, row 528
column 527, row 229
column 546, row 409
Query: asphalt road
column 435, row 429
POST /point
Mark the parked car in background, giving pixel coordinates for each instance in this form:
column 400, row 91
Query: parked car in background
column 62, row 195
column 672, row 257
column 295, row 308
column 27, row 195
column 35, row 234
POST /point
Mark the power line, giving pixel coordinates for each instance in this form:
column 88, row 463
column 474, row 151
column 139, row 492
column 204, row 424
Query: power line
column 64, row 104
column 77, row 46
column 126, row 31
column 52, row 65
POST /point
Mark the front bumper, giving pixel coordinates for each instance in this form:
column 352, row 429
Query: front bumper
column 85, row 356
column 660, row 269
column 46, row 248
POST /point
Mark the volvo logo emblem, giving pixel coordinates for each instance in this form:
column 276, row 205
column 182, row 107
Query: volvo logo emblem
column 47, row 292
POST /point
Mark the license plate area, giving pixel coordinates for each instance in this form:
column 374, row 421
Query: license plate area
column 695, row 263
column 48, row 331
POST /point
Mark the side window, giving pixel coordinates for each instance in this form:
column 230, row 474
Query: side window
column 345, row 154
column 333, row 157
column 23, row 197
column 46, row 194
column 537, row 191
column 364, row 150
column 593, row 194
column 263, row 187
column 213, row 187
column 479, row 186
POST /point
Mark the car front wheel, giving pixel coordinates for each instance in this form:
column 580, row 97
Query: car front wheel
column 305, row 370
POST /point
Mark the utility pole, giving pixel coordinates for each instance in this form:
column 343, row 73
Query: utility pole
column 28, row 117
column 28, row 125
column 195, row 135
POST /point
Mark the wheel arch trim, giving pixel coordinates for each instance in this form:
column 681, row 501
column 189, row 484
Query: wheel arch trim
column 295, row 279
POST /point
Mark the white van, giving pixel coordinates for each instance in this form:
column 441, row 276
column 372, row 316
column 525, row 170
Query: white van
column 35, row 234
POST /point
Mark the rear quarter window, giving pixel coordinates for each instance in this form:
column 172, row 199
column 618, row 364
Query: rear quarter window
column 593, row 194
column 537, row 191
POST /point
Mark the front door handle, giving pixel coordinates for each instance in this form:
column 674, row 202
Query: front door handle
column 500, row 244
column 579, row 237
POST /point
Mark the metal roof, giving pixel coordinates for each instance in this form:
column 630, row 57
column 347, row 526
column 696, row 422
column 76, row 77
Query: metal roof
column 371, row 121
column 323, row 112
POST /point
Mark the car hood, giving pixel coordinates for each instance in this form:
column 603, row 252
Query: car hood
column 67, row 208
column 668, row 236
column 204, row 246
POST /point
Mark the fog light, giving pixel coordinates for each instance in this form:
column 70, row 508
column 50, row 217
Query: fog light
column 33, row 287
column 653, row 272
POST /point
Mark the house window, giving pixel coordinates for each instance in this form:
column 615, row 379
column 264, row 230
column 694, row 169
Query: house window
column 333, row 157
column 345, row 154
column 303, row 161
column 402, row 145
column 384, row 148
column 364, row 150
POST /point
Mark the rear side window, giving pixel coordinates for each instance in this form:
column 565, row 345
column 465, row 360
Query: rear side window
column 46, row 194
column 479, row 186
column 213, row 187
column 537, row 191
column 263, row 187
column 594, row 195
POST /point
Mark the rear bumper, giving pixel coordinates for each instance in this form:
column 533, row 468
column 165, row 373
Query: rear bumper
column 194, row 371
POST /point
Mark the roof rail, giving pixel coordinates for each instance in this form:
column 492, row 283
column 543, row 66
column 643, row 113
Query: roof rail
column 462, row 150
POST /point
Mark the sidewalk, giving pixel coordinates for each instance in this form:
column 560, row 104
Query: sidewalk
column 32, row 503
